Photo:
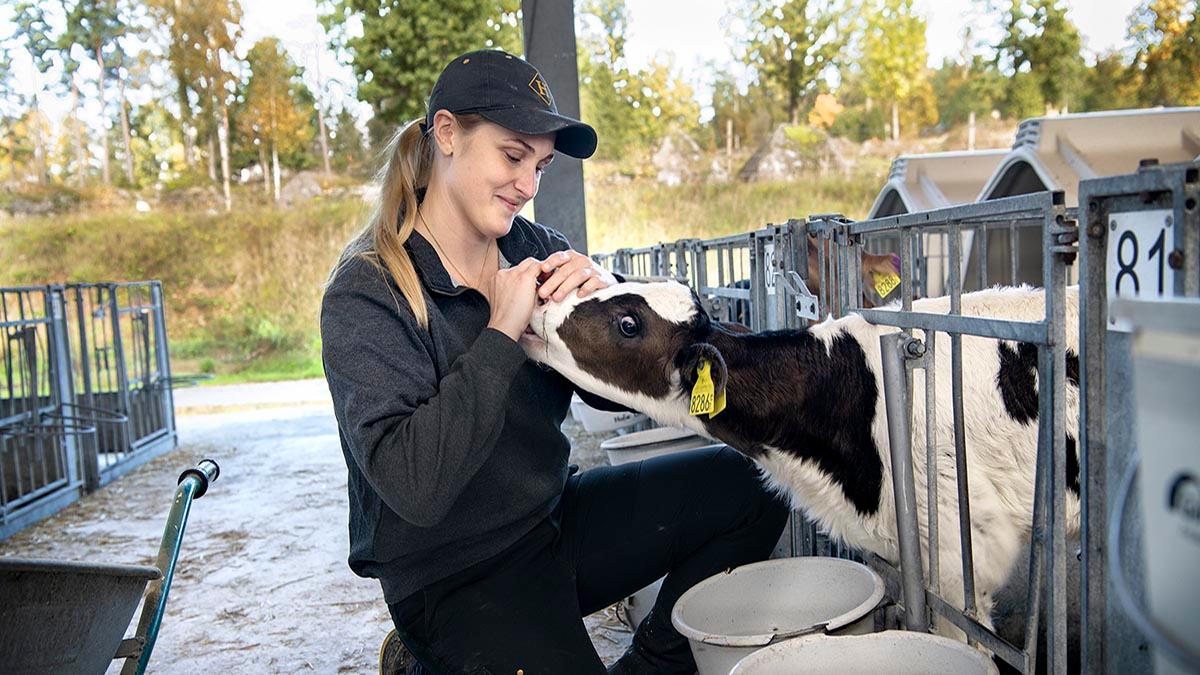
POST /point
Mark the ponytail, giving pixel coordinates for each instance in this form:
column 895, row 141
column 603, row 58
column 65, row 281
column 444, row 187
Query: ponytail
column 409, row 156
column 407, row 169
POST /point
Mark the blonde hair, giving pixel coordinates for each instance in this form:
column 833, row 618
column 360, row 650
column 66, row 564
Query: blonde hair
column 406, row 170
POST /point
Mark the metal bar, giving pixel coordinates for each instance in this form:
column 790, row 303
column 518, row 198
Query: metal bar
column 1001, row 210
column 960, row 439
column 164, row 356
column 975, row 631
column 895, row 381
column 62, row 391
column 1014, row 240
column 1093, row 429
column 931, row 460
column 122, row 374
column 1051, row 381
column 192, row 485
column 1000, row 329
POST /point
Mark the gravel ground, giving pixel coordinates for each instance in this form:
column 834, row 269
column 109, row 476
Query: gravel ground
column 262, row 584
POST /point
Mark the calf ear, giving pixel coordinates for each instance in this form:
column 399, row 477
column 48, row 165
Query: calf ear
column 688, row 362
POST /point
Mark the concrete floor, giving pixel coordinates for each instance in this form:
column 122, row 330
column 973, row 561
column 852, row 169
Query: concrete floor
column 262, row 584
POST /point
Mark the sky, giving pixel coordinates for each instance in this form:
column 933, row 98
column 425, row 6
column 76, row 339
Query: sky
column 692, row 32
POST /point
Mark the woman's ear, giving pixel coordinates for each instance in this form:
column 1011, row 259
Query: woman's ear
column 444, row 131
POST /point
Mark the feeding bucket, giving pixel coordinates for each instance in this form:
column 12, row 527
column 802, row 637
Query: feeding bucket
column 895, row 652
column 634, row 447
column 598, row 421
column 732, row 614
column 641, row 445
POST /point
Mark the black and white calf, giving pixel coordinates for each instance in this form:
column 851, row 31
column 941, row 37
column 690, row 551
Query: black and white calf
column 807, row 405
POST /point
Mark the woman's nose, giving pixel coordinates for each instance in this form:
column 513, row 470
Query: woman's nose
column 527, row 184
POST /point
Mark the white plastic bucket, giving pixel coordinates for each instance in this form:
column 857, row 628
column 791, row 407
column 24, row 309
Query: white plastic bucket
column 732, row 614
column 895, row 652
column 635, row 447
column 598, row 421
column 639, row 445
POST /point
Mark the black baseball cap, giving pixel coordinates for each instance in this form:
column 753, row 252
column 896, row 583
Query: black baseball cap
column 507, row 90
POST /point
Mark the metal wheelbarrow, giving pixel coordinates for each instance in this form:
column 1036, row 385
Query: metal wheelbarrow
column 70, row 617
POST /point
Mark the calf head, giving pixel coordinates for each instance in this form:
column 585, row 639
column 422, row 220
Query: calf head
column 637, row 344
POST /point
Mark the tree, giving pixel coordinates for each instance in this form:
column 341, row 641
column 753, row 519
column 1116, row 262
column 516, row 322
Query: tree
column 628, row 108
column 94, row 25
column 32, row 35
column 1166, row 39
column 404, row 45
column 348, row 150
column 893, row 58
column 1040, row 39
column 274, row 114
column 1110, row 84
column 793, row 44
column 961, row 89
column 744, row 119
column 179, row 36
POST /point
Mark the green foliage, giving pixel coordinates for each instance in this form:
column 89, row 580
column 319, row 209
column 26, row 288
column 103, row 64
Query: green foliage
column 1024, row 97
column 277, row 105
column 1166, row 39
column 404, row 45
column 893, row 60
column 964, row 89
column 347, row 148
column 631, row 110
column 1110, row 84
column 858, row 123
column 792, row 45
column 754, row 114
column 1039, row 39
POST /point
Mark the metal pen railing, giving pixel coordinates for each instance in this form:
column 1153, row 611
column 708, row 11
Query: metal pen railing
column 73, row 419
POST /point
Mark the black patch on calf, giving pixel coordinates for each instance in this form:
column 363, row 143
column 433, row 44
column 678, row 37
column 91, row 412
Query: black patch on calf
column 1017, row 381
column 635, row 364
column 786, row 391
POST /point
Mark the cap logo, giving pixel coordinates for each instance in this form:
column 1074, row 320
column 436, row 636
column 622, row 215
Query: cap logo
column 538, row 86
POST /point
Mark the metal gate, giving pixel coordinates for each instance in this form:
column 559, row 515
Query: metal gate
column 73, row 418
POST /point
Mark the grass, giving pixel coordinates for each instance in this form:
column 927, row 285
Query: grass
column 243, row 289
column 642, row 212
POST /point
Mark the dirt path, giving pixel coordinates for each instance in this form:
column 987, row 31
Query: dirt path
column 262, row 584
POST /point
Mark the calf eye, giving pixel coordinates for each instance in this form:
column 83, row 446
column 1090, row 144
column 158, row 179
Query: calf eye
column 629, row 325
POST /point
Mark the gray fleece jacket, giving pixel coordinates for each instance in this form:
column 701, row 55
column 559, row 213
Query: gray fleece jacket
column 451, row 437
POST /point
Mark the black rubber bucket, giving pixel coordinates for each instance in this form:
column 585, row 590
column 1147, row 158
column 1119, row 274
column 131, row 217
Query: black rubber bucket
column 65, row 617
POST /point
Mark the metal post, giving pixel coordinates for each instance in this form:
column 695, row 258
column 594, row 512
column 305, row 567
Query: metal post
column 1093, row 431
column 91, row 464
column 960, row 440
column 60, row 371
column 899, row 409
column 1052, row 379
column 549, row 31
column 164, row 355
column 118, row 347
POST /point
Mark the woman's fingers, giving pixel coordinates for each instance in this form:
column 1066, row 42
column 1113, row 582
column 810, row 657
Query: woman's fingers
column 561, row 270
column 592, row 285
column 574, row 280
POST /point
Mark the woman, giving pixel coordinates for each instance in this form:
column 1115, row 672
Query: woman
column 489, row 548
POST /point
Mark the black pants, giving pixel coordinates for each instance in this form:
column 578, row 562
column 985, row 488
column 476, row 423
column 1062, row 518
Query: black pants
column 687, row 515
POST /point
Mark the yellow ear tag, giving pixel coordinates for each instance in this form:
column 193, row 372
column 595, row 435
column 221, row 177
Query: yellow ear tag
column 886, row 283
column 704, row 398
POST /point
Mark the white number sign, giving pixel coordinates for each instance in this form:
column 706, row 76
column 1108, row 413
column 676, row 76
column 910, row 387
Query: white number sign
column 1139, row 244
